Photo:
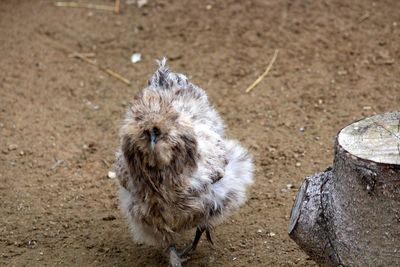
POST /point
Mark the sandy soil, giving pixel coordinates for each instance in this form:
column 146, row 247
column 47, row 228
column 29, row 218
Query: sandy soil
column 338, row 61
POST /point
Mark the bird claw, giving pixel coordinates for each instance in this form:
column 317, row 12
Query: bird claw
column 208, row 236
column 187, row 250
column 175, row 259
column 176, row 262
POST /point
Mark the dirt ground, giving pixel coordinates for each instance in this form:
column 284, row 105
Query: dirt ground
column 59, row 116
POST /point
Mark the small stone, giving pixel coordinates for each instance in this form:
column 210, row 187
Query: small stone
column 271, row 234
column 136, row 57
column 259, row 231
column 302, row 129
column 12, row 147
column 298, row 164
column 141, row 3
column 111, row 175
column 22, row 153
column 32, row 243
column 109, row 218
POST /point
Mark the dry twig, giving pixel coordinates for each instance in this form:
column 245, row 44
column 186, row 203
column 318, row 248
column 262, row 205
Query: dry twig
column 106, row 163
column 117, row 6
column 85, row 5
column 85, row 58
column 106, row 70
column 88, row 55
column 363, row 17
column 259, row 79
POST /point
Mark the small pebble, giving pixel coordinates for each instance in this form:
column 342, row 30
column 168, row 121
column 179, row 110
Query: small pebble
column 136, row 57
column 12, row 147
column 111, row 175
column 298, row 164
column 109, row 218
column 141, row 3
column 32, row 243
column 271, row 234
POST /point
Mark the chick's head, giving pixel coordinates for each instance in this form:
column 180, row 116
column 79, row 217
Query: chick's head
column 155, row 135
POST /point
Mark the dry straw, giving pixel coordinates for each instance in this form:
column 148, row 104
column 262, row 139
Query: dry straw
column 259, row 79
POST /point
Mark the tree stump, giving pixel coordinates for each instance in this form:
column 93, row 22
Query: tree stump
column 349, row 215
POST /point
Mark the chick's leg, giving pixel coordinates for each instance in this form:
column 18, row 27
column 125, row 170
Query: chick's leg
column 208, row 235
column 193, row 245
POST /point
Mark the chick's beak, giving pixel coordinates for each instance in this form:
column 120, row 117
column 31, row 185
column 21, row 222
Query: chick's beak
column 153, row 139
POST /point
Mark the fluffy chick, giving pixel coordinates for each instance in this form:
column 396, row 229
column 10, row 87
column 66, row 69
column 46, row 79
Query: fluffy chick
column 175, row 168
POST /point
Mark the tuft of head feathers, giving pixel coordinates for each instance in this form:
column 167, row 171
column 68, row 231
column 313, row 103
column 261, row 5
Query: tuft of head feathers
column 164, row 79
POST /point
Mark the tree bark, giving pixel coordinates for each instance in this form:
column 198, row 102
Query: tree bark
column 349, row 215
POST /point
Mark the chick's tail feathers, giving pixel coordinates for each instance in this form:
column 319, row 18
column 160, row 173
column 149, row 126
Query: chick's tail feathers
column 164, row 79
